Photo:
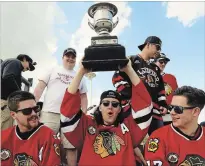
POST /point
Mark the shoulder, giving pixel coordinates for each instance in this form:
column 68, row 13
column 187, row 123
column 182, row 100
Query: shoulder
column 45, row 129
column 5, row 134
column 135, row 58
column 12, row 62
column 170, row 75
column 161, row 132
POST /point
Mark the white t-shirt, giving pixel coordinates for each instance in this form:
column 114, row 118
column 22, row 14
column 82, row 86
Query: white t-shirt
column 57, row 80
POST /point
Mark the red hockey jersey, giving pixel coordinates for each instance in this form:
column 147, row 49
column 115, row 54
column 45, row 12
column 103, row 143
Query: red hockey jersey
column 170, row 84
column 40, row 149
column 169, row 146
column 100, row 144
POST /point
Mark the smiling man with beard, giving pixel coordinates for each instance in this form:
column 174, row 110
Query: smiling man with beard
column 30, row 142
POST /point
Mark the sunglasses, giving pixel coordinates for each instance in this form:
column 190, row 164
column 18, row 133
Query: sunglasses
column 179, row 109
column 113, row 103
column 161, row 62
column 158, row 47
column 28, row 111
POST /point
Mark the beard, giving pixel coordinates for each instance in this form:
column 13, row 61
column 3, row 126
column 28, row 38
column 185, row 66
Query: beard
column 28, row 125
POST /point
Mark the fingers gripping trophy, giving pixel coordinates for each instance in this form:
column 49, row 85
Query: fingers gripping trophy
column 104, row 53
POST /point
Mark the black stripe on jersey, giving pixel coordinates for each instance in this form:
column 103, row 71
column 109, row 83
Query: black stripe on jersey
column 143, row 118
column 195, row 137
column 73, row 121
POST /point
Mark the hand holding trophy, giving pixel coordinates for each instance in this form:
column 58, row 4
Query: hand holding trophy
column 104, row 54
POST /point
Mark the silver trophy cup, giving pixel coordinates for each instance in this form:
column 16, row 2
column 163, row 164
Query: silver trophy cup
column 104, row 54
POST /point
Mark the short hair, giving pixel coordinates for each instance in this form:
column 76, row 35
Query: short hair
column 21, row 57
column 16, row 97
column 195, row 97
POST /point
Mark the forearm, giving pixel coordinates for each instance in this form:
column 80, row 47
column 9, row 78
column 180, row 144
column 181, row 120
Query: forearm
column 73, row 87
column 133, row 76
column 84, row 102
column 39, row 90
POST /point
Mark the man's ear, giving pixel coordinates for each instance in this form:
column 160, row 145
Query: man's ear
column 13, row 114
column 196, row 111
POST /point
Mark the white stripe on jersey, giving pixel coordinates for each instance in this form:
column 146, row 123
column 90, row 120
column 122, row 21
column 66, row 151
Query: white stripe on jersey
column 120, row 83
column 161, row 98
column 142, row 112
column 146, row 124
column 156, row 111
column 70, row 128
column 66, row 119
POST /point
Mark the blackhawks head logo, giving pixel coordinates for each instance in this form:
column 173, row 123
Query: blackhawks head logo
column 24, row 160
column 107, row 143
column 193, row 160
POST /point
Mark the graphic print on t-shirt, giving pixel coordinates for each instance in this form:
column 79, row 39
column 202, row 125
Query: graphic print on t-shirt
column 64, row 78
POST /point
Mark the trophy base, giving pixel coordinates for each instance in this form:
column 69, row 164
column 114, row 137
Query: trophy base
column 105, row 57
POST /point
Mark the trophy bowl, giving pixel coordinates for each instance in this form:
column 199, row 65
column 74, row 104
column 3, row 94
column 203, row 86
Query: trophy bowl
column 104, row 54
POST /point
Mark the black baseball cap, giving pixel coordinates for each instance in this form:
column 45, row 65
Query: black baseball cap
column 69, row 50
column 110, row 94
column 152, row 40
column 162, row 56
column 29, row 59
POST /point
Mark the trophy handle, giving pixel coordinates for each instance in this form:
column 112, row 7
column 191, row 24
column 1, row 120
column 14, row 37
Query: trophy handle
column 90, row 24
column 115, row 24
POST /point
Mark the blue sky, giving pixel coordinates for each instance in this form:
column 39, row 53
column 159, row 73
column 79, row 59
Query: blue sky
column 44, row 29
column 183, row 45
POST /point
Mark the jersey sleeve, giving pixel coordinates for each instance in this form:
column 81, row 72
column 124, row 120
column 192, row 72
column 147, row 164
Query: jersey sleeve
column 73, row 120
column 51, row 151
column 122, row 84
column 161, row 92
column 141, row 105
column 155, row 150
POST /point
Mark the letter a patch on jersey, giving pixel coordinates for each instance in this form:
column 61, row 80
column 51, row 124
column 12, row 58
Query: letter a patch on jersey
column 124, row 128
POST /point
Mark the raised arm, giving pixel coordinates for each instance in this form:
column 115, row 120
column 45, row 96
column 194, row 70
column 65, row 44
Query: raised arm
column 141, row 105
column 73, row 120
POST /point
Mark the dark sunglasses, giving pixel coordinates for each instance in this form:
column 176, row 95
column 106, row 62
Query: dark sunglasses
column 114, row 103
column 179, row 109
column 162, row 61
column 28, row 111
column 158, row 47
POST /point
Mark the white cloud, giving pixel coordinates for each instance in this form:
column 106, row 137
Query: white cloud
column 29, row 27
column 82, row 37
column 186, row 12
